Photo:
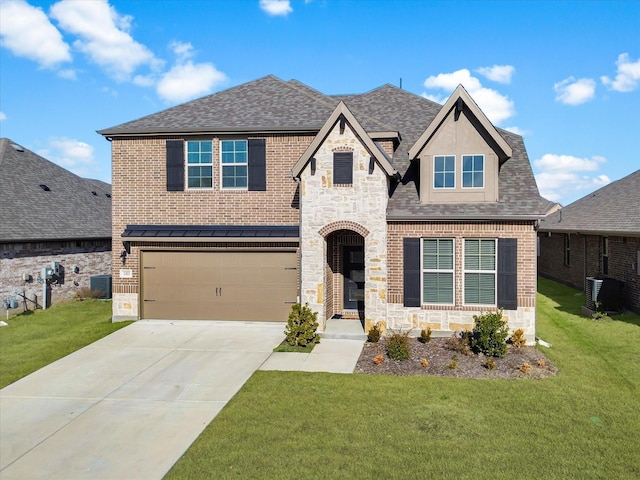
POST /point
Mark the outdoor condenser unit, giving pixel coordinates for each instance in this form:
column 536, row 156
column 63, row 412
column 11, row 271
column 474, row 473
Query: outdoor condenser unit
column 591, row 292
column 101, row 283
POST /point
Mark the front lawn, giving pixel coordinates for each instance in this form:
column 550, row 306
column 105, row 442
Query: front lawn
column 582, row 423
column 36, row 338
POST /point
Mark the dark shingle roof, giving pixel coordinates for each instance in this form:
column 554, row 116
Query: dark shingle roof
column 68, row 211
column 271, row 104
column 613, row 209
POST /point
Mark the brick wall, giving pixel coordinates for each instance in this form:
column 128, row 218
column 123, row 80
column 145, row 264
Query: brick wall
column 139, row 193
column 622, row 262
column 92, row 257
column 446, row 319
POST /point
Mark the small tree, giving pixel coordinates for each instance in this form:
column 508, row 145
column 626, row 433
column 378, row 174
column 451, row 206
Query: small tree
column 301, row 326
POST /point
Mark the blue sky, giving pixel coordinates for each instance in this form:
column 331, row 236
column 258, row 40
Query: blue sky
column 564, row 74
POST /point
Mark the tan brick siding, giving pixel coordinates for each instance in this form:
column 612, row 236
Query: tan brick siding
column 524, row 233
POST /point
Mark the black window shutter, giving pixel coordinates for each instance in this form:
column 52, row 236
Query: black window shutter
column 343, row 168
column 411, row 263
column 175, row 165
column 508, row 273
column 257, row 164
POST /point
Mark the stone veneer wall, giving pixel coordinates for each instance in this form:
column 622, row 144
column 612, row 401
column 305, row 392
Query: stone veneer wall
column 359, row 207
column 93, row 257
column 139, row 196
column 444, row 320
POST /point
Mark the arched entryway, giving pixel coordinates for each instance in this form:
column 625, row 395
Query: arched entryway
column 345, row 265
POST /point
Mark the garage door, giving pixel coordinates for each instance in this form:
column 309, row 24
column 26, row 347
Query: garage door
column 253, row 286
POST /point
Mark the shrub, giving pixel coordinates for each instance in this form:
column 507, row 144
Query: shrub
column 86, row 292
column 398, row 347
column 490, row 364
column 517, row 338
column 374, row 334
column 301, row 326
column 378, row 359
column 540, row 362
column 525, row 367
column 424, row 362
column 425, row 335
column 489, row 335
column 453, row 363
column 459, row 342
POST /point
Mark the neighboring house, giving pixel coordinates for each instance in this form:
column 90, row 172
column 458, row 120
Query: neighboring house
column 48, row 214
column 597, row 236
column 383, row 206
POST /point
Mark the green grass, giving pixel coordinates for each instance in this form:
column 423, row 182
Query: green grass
column 285, row 347
column 583, row 423
column 36, row 338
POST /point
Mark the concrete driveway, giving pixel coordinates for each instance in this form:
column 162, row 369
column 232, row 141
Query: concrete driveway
column 129, row 405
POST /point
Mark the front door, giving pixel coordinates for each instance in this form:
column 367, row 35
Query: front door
column 353, row 286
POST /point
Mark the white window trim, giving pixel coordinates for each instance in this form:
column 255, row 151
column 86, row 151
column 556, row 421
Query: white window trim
column 187, row 165
column 484, row 170
column 494, row 271
column 423, row 271
column 233, row 189
column 455, row 170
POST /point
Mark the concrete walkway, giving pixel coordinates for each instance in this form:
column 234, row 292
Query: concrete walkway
column 128, row 406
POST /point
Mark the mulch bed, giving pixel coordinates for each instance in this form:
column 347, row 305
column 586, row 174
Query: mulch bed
column 439, row 358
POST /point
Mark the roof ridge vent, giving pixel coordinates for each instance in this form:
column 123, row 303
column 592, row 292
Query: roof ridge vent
column 45, row 187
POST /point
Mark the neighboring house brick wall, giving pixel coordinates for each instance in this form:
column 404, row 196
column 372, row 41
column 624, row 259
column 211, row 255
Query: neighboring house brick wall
column 93, row 257
column 360, row 207
column 622, row 260
column 139, row 196
column 444, row 320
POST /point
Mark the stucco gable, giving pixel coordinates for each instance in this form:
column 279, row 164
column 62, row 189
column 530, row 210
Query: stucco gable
column 460, row 101
column 342, row 113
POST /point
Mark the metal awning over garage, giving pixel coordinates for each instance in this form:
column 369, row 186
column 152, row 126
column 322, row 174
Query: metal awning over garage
column 212, row 233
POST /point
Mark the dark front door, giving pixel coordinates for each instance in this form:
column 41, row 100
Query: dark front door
column 353, row 287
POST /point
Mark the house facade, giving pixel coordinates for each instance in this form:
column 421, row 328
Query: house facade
column 597, row 237
column 49, row 217
column 382, row 206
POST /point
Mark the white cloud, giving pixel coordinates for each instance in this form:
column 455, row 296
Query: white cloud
column 104, row 36
column 3, row 116
column 68, row 73
column 628, row 75
column 574, row 92
column 27, row 32
column 188, row 80
column 517, row 130
column 563, row 177
column 182, row 50
column 497, row 73
column 74, row 155
column 276, row 7
column 496, row 107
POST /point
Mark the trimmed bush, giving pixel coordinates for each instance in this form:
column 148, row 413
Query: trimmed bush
column 398, row 347
column 489, row 335
column 425, row 335
column 374, row 334
column 301, row 326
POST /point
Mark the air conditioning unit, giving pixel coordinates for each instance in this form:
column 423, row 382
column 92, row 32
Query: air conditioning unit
column 591, row 292
column 101, row 283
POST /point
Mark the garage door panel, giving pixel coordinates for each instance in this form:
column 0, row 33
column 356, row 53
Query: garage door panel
column 218, row 285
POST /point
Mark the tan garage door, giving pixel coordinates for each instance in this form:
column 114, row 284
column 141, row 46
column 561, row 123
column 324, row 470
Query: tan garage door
column 258, row 286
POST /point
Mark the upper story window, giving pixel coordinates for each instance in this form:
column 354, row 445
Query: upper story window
column 343, row 168
column 444, row 171
column 437, row 270
column 480, row 271
column 199, row 164
column 234, row 160
column 472, row 171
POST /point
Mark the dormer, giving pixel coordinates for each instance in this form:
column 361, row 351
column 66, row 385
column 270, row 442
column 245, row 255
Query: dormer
column 460, row 154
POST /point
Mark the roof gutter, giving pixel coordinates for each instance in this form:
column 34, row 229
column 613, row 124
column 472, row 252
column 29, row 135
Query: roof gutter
column 148, row 132
column 464, row 218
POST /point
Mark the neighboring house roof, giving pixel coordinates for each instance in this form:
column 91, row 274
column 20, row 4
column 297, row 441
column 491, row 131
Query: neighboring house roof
column 612, row 210
column 68, row 210
column 270, row 104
